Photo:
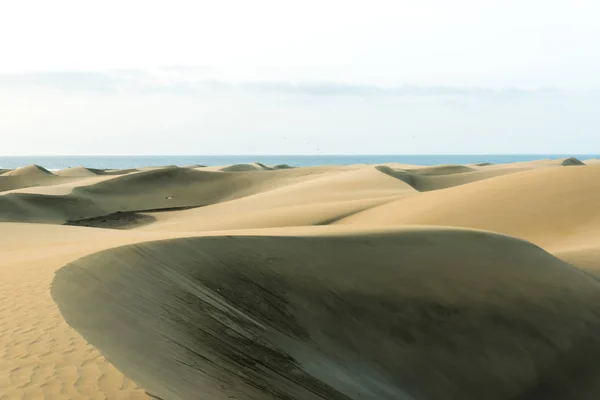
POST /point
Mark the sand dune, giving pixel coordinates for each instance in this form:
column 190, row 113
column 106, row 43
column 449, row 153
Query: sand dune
column 115, row 171
column 241, row 168
column 162, row 188
column 235, row 215
column 194, row 166
column 546, row 206
column 429, row 180
column 442, row 170
column 40, row 356
column 256, row 166
column 29, row 171
column 543, row 163
column 330, row 282
column 438, row 314
column 77, row 171
column 571, row 161
column 326, row 197
column 282, row 166
column 31, row 176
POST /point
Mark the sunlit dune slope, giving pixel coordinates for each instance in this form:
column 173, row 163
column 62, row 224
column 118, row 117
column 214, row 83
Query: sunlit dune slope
column 548, row 206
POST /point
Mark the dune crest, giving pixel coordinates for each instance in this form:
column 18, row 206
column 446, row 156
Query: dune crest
column 77, row 171
column 442, row 170
column 446, row 177
column 282, row 166
column 194, row 166
column 571, row 161
column 245, row 167
column 30, row 171
column 545, row 206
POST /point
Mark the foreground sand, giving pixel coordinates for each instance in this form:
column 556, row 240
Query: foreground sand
column 324, row 282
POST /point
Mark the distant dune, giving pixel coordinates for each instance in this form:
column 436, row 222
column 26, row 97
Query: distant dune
column 572, row 161
column 30, row 176
column 194, row 166
column 442, row 170
column 29, row 171
column 245, row 167
column 546, row 206
column 249, row 281
column 282, row 166
column 77, row 171
column 432, row 179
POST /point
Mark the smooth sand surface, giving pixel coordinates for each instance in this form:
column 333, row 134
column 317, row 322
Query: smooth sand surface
column 266, row 282
column 549, row 206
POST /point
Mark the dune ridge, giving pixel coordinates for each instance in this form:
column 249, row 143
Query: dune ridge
column 545, row 206
column 31, row 176
column 30, row 171
column 160, row 188
column 78, row 171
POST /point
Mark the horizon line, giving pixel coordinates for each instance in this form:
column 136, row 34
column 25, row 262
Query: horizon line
column 298, row 155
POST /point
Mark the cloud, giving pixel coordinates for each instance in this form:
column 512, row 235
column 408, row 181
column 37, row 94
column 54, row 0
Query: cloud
column 165, row 111
column 83, row 81
column 191, row 80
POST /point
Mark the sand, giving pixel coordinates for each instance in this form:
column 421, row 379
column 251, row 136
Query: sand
column 267, row 282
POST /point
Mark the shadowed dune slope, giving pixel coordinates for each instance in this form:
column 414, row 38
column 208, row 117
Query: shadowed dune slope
column 147, row 190
column 430, row 181
column 441, row 170
column 425, row 179
column 546, row 206
column 419, row 313
column 571, row 161
column 80, row 193
column 282, row 166
column 194, row 166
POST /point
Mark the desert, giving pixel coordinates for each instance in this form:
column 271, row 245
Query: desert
column 256, row 281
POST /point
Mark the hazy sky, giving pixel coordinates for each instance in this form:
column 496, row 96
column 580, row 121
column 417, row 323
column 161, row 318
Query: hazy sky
column 304, row 77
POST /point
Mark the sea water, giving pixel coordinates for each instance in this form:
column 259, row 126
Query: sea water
column 124, row 162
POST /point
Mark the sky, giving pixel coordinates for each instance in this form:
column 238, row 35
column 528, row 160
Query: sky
column 310, row 77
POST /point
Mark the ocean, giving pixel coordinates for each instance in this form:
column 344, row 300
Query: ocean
column 123, row 162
